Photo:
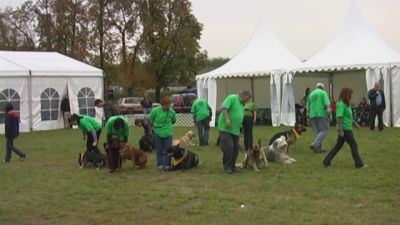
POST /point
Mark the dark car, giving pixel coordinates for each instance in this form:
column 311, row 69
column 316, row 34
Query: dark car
column 182, row 103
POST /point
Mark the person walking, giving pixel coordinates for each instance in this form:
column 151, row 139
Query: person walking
column 66, row 111
column 99, row 111
column 317, row 105
column 116, row 127
column 146, row 103
column 377, row 106
column 344, row 118
column 163, row 117
column 91, row 130
column 303, row 103
column 11, row 128
column 250, row 117
column 229, row 122
column 202, row 115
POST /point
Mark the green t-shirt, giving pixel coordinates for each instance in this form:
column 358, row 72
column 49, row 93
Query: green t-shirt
column 87, row 124
column 343, row 111
column 162, row 121
column 200, row 109
column 317, row 103
column 250, row 108
column 122, row 133
column 235, row 111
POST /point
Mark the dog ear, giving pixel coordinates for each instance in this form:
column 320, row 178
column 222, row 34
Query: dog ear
column 275, row 144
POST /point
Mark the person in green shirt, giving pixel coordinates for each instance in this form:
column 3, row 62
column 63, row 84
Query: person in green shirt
column 91, row 130
column 344, row 117
column 163, row 117
column 116, row 127
column 250, row 117
column 229, row 123
column 317, row 106
column 202, row 115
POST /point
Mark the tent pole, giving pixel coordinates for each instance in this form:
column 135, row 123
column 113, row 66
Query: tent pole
column 331, row 84
column 30, row 100
column 391, row 96
column 252, row 88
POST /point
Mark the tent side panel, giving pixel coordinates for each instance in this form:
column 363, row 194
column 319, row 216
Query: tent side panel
column 352, row 79
column 76, row 86
column 262, row 92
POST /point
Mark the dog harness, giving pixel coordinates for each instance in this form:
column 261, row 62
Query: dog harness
column 176, row 162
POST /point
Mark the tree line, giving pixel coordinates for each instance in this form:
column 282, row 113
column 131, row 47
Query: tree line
column 139, row 44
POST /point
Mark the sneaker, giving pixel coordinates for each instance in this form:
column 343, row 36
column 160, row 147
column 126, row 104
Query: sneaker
column 23, row 158
column 160, row 168
column 235, row 170
column 328, row 166
column 167, row 168
column 363, row 166
column 228, row 171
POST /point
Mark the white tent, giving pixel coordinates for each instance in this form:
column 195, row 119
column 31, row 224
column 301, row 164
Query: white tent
column 355, row 58
column 258, row 68
column 35, row 83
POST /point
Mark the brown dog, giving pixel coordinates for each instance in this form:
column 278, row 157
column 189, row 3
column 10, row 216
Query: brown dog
column 255, row 158
column 291, row 135
column 137, row 156
column 185, row 141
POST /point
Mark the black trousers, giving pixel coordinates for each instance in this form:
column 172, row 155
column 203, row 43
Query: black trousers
column 89, row 142
column 230, row 148
column 349, row 138
column 248, row 132
column 376, row 111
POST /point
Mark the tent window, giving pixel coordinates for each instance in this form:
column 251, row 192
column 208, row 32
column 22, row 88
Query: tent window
column 86, row 102
column 6, row 96
column 49, row 103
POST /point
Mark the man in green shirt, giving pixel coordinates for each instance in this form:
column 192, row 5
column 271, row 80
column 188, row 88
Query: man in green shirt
column 91, row 131
column 317, row 106
column 202, row 115
column 116, row 127
column 229, row 123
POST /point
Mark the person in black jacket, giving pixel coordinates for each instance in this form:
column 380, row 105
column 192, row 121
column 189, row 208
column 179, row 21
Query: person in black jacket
column 11, row 132
column 377, row 106
column 66, row 111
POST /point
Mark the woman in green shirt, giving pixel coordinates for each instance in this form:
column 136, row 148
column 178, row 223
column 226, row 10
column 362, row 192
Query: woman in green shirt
column 344, row 117
column 163, row 118
column 116, row 127
column 250, row 116
column 91, row 131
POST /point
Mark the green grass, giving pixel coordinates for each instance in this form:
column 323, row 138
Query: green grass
column 48, row 188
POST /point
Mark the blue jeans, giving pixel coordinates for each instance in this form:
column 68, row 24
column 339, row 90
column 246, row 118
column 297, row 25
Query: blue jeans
column 11, row 148
column 146, row 111
column 203, row 130
column 161, row 147
column 320, row 127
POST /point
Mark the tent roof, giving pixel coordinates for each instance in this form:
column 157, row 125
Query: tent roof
column 8, row 68
column 263, row 55
column 48, row 64
column 355, row 46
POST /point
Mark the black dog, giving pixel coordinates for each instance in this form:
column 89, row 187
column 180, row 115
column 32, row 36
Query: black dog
column 290, row 135
column 182, row 159
column 91, row 158
column 146, row 142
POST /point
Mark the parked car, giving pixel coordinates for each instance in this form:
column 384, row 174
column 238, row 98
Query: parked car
column 131, row 105
column 182, row 103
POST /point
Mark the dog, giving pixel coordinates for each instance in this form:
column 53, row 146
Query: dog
column 90, row 158
column 277, row 151
column 291, row 135
column 108, row 152
column 146, row 142
column 255, row 158
column 137, row 156
column 185, row 141
column 182, row 159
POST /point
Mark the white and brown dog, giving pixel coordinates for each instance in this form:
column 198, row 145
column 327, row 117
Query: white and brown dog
column 277, row 151
column 255, row 158
column 185, row 141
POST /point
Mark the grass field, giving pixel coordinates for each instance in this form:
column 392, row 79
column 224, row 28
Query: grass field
column 48, row 188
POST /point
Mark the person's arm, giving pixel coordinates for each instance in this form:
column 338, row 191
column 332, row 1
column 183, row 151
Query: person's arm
column 94, row 135
column 226, row 117
column 339, row 121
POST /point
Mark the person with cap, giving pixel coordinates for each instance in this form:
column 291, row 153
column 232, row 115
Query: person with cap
column 229, row 123
column 377, row 106
column 317, row 107
column 91, row 130
column 117, row 129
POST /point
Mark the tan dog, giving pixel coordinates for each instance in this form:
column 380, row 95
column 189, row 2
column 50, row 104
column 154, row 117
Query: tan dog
column 137, row 156
column 185, row 141
column 254, row 158
column 277, row 151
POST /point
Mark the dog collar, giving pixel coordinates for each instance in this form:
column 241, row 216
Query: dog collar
column 295, row 133
column 176, row 162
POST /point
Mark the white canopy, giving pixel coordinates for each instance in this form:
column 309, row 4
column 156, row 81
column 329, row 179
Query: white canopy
column 35, row 83
column 263, row 56
column 355, row 47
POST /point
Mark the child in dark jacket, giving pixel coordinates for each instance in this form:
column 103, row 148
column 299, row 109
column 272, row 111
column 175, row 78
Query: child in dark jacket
column 12, row 132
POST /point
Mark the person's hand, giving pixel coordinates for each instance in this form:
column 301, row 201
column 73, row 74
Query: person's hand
column 357, row 125
column 228, row 123
column 341, row 133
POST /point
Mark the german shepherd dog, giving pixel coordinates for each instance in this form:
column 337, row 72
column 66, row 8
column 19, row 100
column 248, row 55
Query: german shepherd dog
column 91, row 158
column 182, row 159
column 255, row 158
column 137, row 156
column 291, row 135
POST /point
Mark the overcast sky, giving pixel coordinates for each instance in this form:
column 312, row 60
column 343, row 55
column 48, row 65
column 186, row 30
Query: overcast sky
column 303, row 26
